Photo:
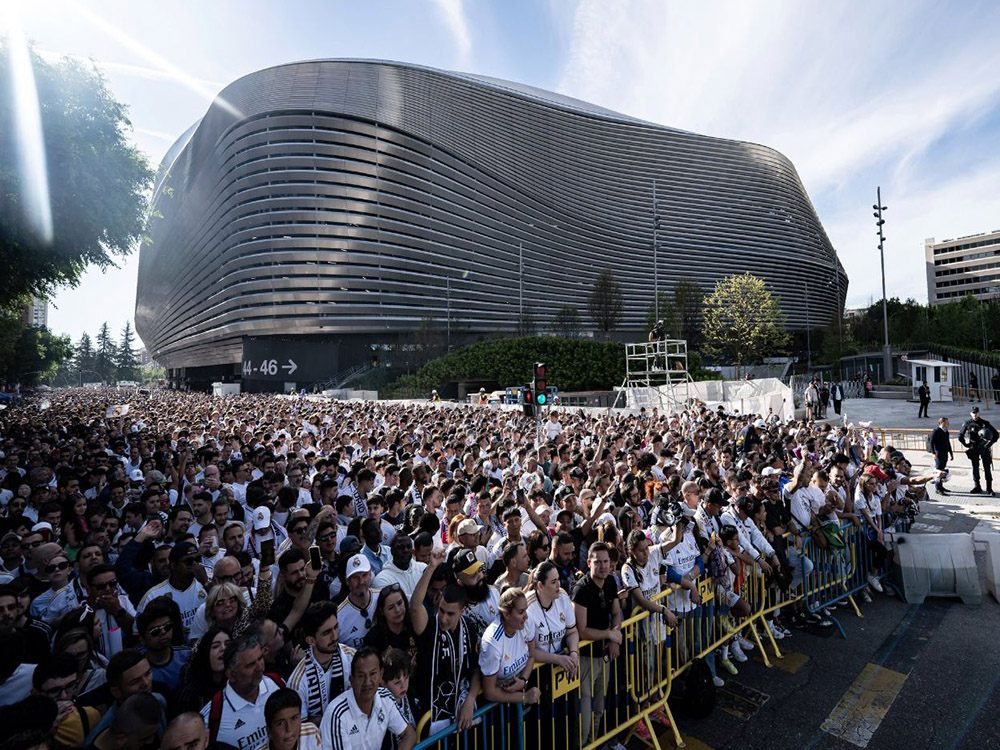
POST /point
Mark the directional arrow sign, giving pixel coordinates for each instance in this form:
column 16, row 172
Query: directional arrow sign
column 291, row 366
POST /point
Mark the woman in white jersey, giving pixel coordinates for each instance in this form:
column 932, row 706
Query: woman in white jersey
column 552, row 625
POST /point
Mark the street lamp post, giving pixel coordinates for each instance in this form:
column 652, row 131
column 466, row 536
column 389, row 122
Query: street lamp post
column 886, row 351
column 656, row 254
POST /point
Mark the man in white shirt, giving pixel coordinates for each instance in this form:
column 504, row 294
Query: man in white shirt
column 181, row 586
column 360, row 718
column 235, row 715
column 402, row 569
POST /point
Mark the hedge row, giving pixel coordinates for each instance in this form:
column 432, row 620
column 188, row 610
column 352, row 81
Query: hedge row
column 572, row 364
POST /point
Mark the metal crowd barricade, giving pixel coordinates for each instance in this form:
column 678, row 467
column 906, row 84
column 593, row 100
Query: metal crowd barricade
column 838, row 572
column 610, row 696
column 496, row 726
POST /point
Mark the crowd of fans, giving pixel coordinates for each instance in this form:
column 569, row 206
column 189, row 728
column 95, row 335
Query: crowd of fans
column 257, row 571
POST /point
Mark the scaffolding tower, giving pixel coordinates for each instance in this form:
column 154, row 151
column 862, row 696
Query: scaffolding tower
column 656, row 375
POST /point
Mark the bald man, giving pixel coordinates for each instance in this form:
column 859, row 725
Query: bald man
column 185, row 732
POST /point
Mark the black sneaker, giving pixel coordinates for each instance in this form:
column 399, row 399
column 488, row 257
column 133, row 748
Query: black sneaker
column 976, row 491
column 813, row 619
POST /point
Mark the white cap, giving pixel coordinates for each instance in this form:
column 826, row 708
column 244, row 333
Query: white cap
column 769, row 471
column 261, row 519
column 358, row 564
column 44, row 527
column 760, row 424
column 136, row 475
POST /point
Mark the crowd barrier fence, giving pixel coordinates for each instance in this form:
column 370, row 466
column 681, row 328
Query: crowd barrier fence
column 610, row 696
column 914, row 439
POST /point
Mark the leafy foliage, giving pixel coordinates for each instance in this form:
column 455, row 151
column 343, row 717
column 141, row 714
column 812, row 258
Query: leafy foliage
column 966, row 323
column 573, row 365
column 29, row 354
column 606, row 302
column 681, row 312
column 743, row 321
column 98, row 182
column 126, row 361
column 567, row 322
column 105, row 355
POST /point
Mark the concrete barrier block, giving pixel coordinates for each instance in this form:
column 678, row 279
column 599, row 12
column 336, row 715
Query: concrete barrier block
column 991, row 540
column 936, row 565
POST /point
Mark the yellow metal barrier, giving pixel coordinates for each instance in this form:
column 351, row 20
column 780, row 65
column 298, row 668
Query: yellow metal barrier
column 611, row 696
column 913, row 439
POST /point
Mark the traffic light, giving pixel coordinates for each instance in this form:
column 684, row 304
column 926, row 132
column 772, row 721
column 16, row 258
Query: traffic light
column 541, row 390
column 528, row 405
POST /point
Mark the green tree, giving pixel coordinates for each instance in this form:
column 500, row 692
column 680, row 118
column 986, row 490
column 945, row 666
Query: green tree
column 98, row 182
column 666, row 313
column 606, row 302
column 83, row 357
column 743, row 322
column 688, row 310
column 526, row 323
column 105, row 354
column 567, row 322
column 29, row 354
column 126, row 361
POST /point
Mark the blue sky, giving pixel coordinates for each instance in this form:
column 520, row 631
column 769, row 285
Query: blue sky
column 902, row 94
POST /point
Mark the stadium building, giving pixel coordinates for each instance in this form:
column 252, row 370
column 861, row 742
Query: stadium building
column 323, row 213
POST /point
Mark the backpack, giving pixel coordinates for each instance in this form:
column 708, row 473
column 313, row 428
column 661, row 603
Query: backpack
column 215, row 712
column 693, row 693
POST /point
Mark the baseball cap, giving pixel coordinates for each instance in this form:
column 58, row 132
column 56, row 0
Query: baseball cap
column 760, row 424
column 261, row 519
column 715, row 497
column 468, row 526
column 466, row 562
column 136, row 475
column 358, row 564
column 43, row 527
column 975, row 410
column 769, row 471
column 182, row 550
column 875, row 471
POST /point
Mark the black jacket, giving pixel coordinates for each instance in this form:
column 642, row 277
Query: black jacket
column 977, row 434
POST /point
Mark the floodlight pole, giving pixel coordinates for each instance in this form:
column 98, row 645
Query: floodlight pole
column 656, row 254
column 886, row 350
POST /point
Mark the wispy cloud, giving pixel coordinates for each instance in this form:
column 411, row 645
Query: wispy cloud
column 453, row 14
column 856, row 95
column 143, row 72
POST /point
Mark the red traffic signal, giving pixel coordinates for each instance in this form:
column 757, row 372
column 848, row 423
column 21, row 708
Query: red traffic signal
column 528, row 395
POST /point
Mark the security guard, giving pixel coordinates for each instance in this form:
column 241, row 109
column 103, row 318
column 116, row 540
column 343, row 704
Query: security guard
column 978, row 436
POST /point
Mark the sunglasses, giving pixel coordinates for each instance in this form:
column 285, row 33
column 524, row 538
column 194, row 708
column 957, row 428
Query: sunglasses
column 113, row 583
column 31, row 545
column 157, row 630
column 326, row 537
column 54, row 567
column 298, row 530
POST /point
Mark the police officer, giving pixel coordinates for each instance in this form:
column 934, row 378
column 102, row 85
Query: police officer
column 978, row 436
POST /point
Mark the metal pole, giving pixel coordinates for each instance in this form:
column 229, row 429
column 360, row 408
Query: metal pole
column 809, row 349
column 656, row 251
column 520, row 285
column 886, row 351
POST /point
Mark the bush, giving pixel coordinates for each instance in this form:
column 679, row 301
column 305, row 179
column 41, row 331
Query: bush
column 573, row 365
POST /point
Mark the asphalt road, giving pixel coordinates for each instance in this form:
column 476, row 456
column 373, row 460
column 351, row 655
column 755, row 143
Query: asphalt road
column 907, row 676
column 932, row 669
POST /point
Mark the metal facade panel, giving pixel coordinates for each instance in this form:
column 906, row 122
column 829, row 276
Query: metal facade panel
column 347, row 195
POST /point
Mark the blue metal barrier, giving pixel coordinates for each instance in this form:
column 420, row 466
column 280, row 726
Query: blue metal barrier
column 495, row 726
column 839, row 572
